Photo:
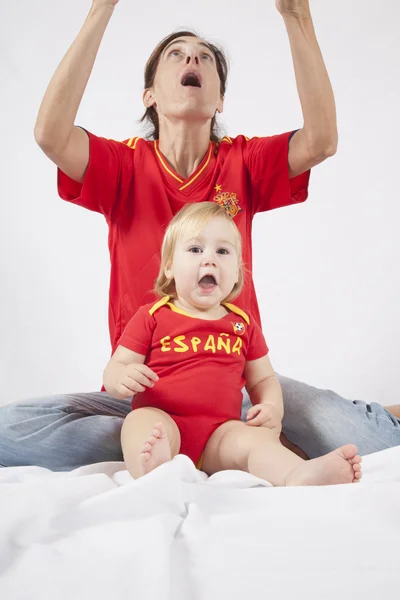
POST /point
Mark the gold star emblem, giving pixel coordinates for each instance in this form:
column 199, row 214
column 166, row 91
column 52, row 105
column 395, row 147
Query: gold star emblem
column 218, row 188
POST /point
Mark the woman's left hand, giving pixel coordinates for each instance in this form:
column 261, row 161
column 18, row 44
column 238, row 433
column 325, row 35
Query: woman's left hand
column 264, row 415
column 299, row 8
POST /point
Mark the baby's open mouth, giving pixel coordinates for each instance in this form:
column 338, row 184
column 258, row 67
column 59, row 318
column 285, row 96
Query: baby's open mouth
column 207, row 282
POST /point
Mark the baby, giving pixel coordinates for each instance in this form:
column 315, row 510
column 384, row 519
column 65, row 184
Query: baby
column 186, row 358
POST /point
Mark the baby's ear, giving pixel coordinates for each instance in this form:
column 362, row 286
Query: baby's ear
column 168, row 273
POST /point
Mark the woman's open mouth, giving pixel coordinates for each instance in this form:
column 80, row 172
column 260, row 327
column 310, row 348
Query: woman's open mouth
column 191, row 80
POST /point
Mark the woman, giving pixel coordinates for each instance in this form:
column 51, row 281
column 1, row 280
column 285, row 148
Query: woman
column 139, row 185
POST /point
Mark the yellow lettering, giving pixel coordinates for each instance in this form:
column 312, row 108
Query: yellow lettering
column 165, row 345
column 237, row 346
column 195, row 342
column 179, row 342
column 210, row 343
column 226, row 344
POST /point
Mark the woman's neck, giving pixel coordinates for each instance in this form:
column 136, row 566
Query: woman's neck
column 184, row 145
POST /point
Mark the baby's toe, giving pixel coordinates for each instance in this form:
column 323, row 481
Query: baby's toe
column 349, row 452
column 158, row 428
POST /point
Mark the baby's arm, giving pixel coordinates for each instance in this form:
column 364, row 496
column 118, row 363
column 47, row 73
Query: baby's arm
column 126, row 374
column 265, row 392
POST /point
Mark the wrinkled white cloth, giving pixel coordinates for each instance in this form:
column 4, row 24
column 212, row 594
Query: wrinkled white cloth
column 95, row 533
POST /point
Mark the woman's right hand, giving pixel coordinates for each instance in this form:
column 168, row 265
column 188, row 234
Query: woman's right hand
column 123, row 381
column 55, row 131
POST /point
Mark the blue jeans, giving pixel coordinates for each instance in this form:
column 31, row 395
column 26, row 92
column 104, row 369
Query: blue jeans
column 66, row 432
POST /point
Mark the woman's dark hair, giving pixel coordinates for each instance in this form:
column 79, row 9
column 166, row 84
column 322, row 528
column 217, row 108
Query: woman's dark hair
column 150, row 116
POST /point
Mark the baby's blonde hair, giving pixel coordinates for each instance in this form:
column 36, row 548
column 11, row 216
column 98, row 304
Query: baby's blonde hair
column 187, row 224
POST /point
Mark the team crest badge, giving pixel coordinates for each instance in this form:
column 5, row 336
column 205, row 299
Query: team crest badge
column 239, row 328
column 229, row 202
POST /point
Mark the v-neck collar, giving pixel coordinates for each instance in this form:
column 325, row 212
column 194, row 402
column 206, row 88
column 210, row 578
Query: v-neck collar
column 184, row 185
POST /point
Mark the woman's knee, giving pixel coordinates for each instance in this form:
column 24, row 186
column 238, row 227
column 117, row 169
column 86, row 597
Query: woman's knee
column 301, row 400
column 23, row 418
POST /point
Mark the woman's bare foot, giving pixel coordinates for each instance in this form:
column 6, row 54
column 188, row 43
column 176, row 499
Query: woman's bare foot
column 156, row 449
column 341, row 466
column 395, row 410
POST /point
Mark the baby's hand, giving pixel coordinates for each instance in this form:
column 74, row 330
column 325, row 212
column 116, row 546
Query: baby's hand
column 122, row 381
column 264, row 415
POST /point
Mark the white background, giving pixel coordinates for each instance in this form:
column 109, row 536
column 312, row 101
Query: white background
column 327, row 271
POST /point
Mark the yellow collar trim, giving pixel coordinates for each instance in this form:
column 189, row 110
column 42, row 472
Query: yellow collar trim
column 160, row 158
column 179, row 310
column 159, row 304
column 167, row 168
column 166, row 302
column 237, row 311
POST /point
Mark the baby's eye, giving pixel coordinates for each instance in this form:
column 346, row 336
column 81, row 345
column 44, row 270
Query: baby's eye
column 223, row 251
column 195, row 249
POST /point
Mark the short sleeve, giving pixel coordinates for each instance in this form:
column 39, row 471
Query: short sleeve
column 138, row 334
column 266, row 159
column 108, row 178
column 257, row 347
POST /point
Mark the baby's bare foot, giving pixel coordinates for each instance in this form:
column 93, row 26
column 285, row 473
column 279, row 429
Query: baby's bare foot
column 156, row 449
column 341, row 466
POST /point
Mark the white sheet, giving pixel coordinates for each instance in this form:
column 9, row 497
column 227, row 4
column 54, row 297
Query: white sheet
column 95, row 533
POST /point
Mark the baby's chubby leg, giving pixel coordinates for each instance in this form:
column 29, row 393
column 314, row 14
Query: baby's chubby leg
column 149, row 437
column 258, row 451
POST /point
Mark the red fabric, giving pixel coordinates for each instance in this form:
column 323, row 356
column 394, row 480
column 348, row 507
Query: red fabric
column 200, row 365
column 138, row 193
